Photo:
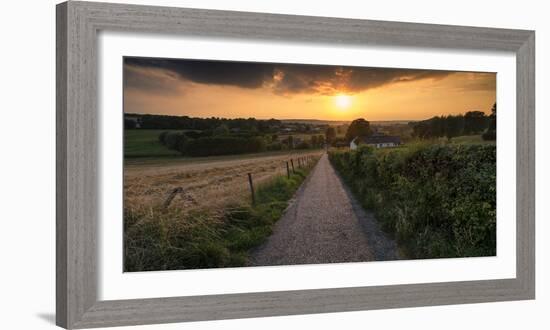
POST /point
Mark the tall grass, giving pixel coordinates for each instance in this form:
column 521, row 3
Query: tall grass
column 166, row 239
column 436, row 200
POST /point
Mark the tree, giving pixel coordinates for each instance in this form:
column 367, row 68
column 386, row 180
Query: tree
column 493, row 118
column 129, row 124
column 430, row 128
column 290, row 142
column 330, row 134
column 314, row 140
column 174, row 141
column 162, row 137
column 224, row 145
column 320, row 140
column 303, row 145
column 358, row 127
column 491, row 132
column 454, row 126
column 474, row 122
column 221, row 130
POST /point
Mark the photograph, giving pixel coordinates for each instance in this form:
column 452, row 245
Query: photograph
column 242, row 164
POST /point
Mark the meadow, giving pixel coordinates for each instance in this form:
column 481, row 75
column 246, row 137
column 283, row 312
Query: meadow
column 145, row 143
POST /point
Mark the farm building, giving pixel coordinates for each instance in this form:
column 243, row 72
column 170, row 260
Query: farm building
column 377, row 141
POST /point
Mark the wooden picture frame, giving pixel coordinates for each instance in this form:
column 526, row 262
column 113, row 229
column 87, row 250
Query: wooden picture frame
column 78, row 24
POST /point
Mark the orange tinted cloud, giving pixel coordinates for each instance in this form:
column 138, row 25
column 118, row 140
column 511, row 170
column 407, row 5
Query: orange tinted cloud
column 283, row 91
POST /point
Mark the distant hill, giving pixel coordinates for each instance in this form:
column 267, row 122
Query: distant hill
column 391, row 122
column 343, row 122
column 315, row 121
column 185, row 122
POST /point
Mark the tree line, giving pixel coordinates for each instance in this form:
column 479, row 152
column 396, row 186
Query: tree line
column 472, row 122
column 147, row 121
column 222, row 142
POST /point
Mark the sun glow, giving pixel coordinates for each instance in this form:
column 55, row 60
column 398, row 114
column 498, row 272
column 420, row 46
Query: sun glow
column 342, row 101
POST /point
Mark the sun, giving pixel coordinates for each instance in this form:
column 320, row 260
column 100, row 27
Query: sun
column 342, row 101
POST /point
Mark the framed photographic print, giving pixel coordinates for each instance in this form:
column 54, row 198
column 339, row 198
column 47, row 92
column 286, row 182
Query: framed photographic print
column 216, row 165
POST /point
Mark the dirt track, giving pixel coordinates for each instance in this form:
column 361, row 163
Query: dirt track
column 324, row 224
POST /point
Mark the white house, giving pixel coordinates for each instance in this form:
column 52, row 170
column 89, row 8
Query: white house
column 378, row 141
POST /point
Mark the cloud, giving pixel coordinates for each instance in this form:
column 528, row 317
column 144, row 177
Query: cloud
column 376, row 77
column 330, row 80
column 239, row 74
column 480, row 81
column 151, row 79
column 281, row 79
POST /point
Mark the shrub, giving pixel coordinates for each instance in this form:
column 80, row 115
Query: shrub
column 437, row 200
column 162, row 137
column 489, row 135
column 303, row 145
column 275, row 146
column 174, row 140
column 224, row 145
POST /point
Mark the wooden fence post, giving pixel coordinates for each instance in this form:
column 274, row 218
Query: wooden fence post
column 292, row 163
column 172, row 195
column 251, row 188
column 287, row 171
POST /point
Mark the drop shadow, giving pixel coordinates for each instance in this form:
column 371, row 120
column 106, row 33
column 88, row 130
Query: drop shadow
column 47, row 317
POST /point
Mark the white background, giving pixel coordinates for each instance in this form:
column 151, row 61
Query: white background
column 27, row 135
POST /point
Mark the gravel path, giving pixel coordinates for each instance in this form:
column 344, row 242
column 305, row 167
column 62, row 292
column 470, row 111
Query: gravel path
column 324, row 224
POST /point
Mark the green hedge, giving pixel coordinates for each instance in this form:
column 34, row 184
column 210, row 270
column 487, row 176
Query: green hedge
column 224, row 145
column 437, row 200
column 173, row 140
column 211, row 145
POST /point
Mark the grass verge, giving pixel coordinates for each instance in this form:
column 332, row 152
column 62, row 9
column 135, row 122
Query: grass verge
column 168, row 239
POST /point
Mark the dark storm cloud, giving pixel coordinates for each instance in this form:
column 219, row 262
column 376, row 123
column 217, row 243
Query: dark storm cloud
column 330, row 79
column 283, row 79
column 376, row 77
column 148, row 79
column 292, row 79
column 240, row 74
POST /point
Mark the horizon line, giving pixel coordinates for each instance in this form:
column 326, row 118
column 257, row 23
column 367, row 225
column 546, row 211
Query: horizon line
column 270, row 118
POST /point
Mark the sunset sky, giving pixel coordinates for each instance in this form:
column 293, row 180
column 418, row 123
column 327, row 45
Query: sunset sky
column 198, row 88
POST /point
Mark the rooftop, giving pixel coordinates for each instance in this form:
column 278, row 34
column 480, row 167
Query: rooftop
column 377, row 139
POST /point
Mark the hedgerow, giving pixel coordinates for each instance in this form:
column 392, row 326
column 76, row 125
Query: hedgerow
column 436, row 200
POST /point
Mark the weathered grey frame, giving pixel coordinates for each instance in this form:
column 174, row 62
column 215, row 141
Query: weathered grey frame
column 78, row 24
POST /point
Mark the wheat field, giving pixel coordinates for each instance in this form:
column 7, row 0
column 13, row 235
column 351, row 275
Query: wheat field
column 208, row 183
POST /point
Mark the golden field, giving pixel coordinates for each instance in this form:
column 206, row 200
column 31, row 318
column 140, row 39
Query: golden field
column 209, row 183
